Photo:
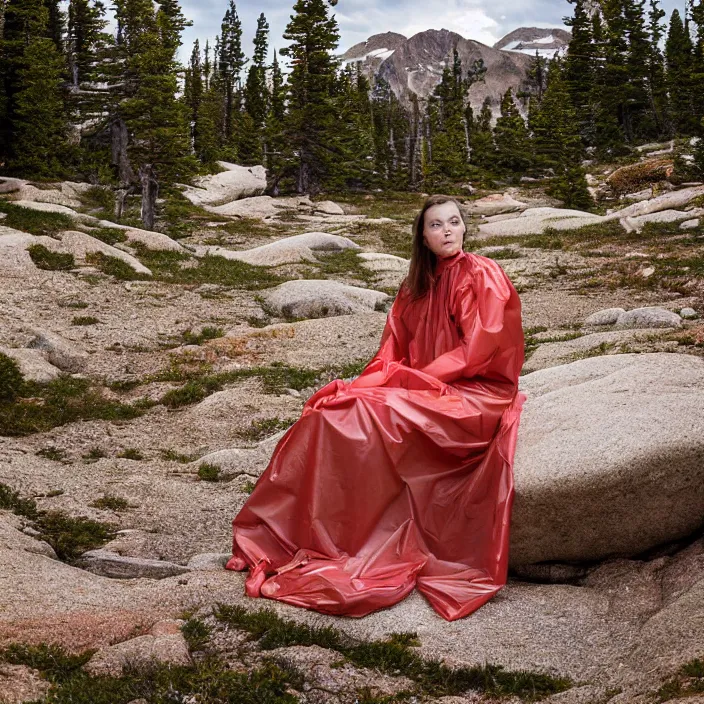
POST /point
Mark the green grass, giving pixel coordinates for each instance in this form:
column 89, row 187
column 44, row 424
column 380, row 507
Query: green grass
column 131, row 453
column 11, row 379
column 209, row 681
column 109, row 235
column 200, row 382
column 197, row 633
column 98, row 197
column 168, row 267
column 84, row 320
column 111, row 503
column 344, row 263
column 68, row 535
column 44, row 258
column 209, row 472
column 180, row 457
column 41, row 407
column 393, row 656
column 35, row 222
column 94, row 454
column 209, row 332
column 112, row 266
column 52, row 453
column 261, row 429
column 687, row 682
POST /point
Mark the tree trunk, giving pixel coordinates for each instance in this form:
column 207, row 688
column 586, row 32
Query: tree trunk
column 120, row 159
column 150, row 191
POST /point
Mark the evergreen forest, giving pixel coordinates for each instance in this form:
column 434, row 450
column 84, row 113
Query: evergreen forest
column 117, row 108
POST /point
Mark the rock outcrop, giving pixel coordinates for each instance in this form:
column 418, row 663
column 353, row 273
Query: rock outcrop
column 609, row 458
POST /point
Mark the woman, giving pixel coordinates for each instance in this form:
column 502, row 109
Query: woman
column 403, row 477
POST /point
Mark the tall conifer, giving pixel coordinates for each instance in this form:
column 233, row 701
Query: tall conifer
column 310, row 121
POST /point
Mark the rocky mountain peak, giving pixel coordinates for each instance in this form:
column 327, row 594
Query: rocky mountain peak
column 375, row 49
column 528, row 40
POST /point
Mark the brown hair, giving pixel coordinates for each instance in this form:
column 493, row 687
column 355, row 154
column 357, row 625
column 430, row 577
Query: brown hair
column 420, row 273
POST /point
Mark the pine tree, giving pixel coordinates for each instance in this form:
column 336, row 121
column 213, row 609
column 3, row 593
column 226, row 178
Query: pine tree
column 310, row 121
column 697, row 78
column 679, row 61
column 613, row 83
column 483, row 152
column 40, row 116
column 256, row 97
column 513, row 151
column 557, row 143
column 657, row 87
column 580, row 67
column 392, row 136
column 274, row 137
column 698, row 154
column 159, row 146
column 230, row 62
column 605, row 132
column 86, row 22
column 22, row 22
column 193, row 87
column 639, row 121
column 537, row 76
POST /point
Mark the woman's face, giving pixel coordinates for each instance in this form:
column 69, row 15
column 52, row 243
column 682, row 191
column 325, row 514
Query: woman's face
column 443, row 229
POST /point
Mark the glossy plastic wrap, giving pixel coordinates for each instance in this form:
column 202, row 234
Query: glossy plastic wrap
column 403, row 477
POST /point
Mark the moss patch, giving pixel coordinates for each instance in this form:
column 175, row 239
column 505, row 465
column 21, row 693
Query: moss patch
column 688, row 681
column 179, row 268
column 209, row 681
column 35, row 222
column 40, row 407
column 261, row 429
column 68, row 535
column 394, row 656
column 44, row 258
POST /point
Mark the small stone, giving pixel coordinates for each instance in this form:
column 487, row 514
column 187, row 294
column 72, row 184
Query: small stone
column 649, row 317
column 688, row 313
column 32, row 364
column 608, row 316
column 143, row 650
column 60, row 352
column 690, row 224
column 209, row 561
column 109, row 564
column 647, row 272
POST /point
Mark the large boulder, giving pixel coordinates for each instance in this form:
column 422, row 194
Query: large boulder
column 609, row 457
column 59, row 351
column 668, row 201
column 637, row 223
column 537, row 220
column 649, row 317
column 80, row 244
column 46, row 195
column 494, row 204
column 233, row 183
column 32, row 364
column 260, row 206
column 320, row 298
column 288, row 250
column 55, row 208
column 633, row 176
column 15, row 261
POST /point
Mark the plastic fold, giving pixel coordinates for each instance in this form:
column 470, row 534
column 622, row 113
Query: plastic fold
column 402, row 478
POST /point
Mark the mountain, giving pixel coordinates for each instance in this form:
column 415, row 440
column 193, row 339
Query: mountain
column 416, row 67
column 528, row 40
column 373, row 52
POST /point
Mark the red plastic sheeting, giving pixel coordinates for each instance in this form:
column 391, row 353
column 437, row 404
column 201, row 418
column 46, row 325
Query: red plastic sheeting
column 402, row 478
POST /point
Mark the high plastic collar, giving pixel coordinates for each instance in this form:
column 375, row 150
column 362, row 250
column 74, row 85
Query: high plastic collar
column 446, row 262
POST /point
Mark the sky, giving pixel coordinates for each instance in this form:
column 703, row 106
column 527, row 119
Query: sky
column 485, row 21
